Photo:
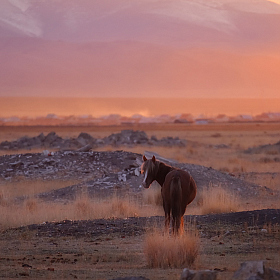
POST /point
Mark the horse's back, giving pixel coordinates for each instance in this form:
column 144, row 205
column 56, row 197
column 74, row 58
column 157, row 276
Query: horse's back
column 187, row 183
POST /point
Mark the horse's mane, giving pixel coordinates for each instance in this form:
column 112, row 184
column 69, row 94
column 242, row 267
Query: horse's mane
column 152, row 165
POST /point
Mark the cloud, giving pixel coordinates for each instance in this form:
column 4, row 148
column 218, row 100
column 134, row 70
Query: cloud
column 14, row 13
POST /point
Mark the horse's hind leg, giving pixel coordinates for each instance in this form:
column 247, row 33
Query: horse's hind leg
column 181, row 226
column 167, row 222
column 176, row 223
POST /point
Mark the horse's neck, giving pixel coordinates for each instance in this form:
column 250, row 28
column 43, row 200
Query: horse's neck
column 163, row 170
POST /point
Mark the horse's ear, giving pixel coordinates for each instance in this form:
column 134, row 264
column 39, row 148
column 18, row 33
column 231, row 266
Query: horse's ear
column 144, row 158
column 154, row 159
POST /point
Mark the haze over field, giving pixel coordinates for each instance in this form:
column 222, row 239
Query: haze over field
column 140, row 48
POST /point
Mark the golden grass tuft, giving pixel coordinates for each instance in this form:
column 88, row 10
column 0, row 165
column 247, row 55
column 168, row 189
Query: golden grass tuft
column 215, row 199
column 165, row 251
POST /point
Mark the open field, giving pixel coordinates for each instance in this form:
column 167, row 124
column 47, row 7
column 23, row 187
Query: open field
column 104, row 247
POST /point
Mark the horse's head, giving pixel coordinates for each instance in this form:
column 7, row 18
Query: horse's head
column 149, row 169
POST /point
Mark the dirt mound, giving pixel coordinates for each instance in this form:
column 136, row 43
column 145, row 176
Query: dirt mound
column 106, row 172
column 270, row 149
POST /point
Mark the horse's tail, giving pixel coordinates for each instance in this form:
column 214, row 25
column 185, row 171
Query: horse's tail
column 175, row 199
column 193, row 190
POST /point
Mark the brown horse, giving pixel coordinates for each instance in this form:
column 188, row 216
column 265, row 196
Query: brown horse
column 178, row 189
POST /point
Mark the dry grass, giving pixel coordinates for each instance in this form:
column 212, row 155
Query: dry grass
column 216, row 199
column 34, row 211
column 152, row 195
column 165, row 251
column 83, row 208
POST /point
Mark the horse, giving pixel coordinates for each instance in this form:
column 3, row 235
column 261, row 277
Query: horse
column 178, row 189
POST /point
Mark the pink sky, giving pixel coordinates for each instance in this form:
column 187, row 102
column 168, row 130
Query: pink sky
column 185, row 49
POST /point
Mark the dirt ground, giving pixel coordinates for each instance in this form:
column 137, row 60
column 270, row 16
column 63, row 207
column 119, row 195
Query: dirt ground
column 110, row 248
column 106, row 249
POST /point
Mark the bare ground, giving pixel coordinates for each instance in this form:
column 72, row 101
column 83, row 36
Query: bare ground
column 104, row 249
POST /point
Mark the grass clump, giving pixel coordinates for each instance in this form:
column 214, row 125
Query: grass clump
column 165, row 251
column 215, row 199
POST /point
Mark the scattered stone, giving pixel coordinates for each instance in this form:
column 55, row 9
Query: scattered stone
column 27, row 265
column 122, row 177
column 188, row 274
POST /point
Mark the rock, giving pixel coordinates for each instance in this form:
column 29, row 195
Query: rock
column 86, row 148
column 271, row 274
column 41, row 137
column 85, row 139
column 188, row 274
column 46, row 153
column 255, row 270
column 86, row 136
column 249, row 269
column 137, row 172
column 127, row 137
column 16, row 164
column 124, row 138
column 122, row 177
column 52, row 140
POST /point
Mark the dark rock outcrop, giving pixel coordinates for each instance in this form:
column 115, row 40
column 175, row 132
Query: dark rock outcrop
column 124, row 138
